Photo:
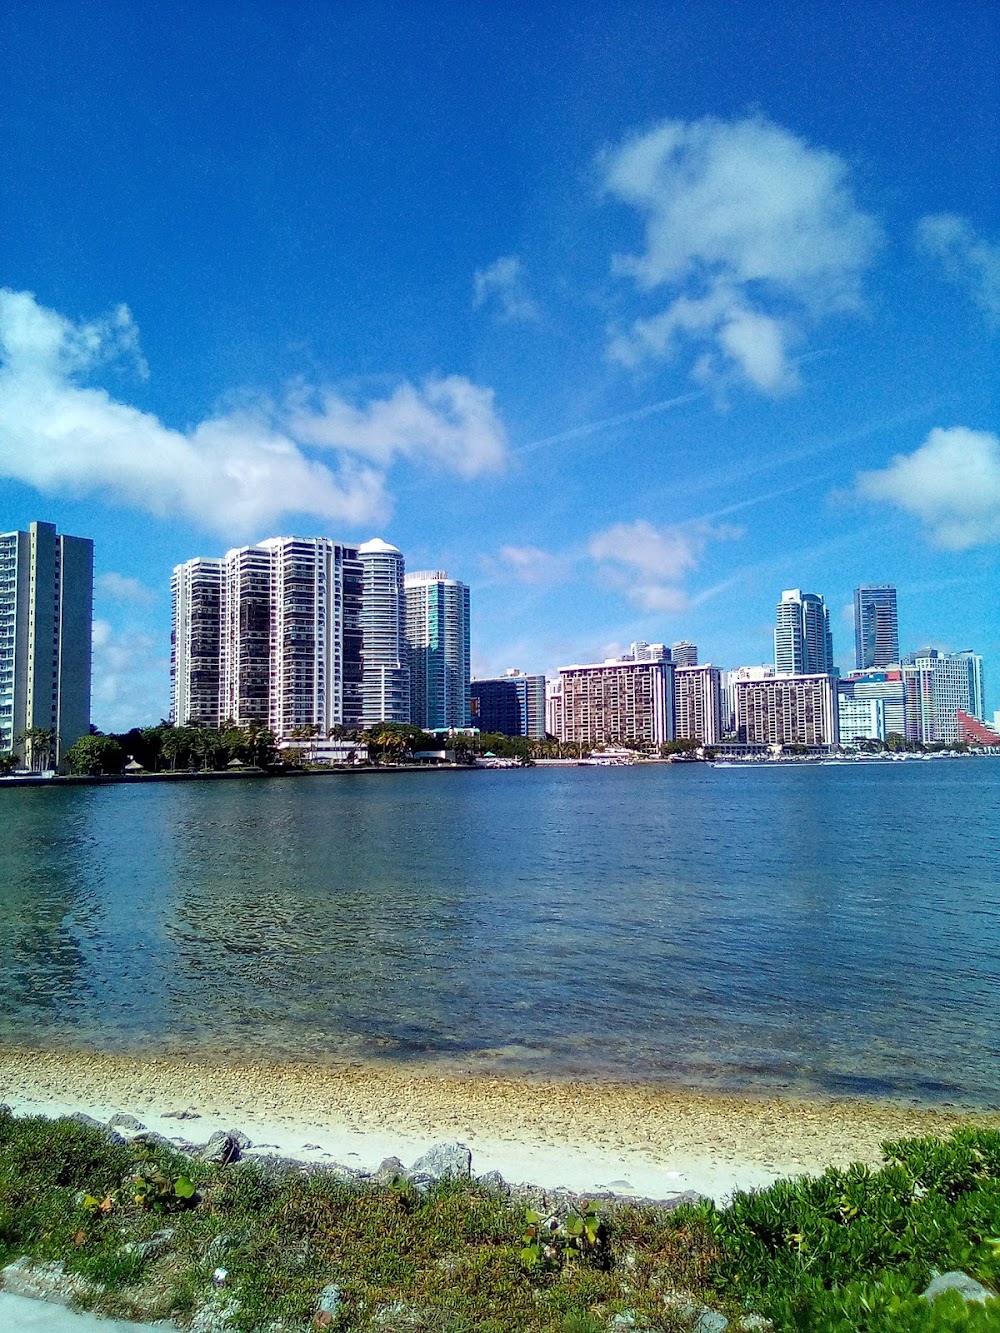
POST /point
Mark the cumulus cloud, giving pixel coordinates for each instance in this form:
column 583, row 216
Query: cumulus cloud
column 449, row 421
column 649, row 564
column 129, row 675
column 234, row 473
column 531, row 564
column 123, row 588
column 503, row 286
column 951, row 483
column 753, row 234
column 966, row 258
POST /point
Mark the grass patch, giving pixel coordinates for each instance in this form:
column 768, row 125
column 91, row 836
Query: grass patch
column 849, row 1250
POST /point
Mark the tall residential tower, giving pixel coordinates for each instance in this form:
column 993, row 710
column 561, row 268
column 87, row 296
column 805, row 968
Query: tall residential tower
column 46, row 634
column 386, row 677
column 876, row 627
column 437, row 631
column 803, row 644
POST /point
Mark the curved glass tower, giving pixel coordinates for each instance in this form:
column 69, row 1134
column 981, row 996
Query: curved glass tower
column 385, row 676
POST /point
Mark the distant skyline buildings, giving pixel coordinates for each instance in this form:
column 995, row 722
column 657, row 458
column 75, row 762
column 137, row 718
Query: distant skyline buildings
column 439, row 645
column 685, row 653
column 46, row 636
column 803, row 643
column 623, row 699
column 512, row 704
column 876, row 626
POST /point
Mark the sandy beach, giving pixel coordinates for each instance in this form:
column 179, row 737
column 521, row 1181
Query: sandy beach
column 629, row 1138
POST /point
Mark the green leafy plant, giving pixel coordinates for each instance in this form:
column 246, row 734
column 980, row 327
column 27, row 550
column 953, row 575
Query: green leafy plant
column 153, row 1188
column 550, row 1242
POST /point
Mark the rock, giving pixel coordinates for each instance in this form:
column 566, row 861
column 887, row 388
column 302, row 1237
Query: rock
column 626, row 1319
column 330, row 1300
column 181, row 1115
column 389, row 1170
column 151, row 1139
column 710, row 1321
column 493, row 1180
column 967, row 1287
column 42, row 1281
column 224, row 1147
column 445, row 1161
column 88, row 1121
column 755, row 1321
column 126, row 1122
column 155, row 1245
column 216, row 1315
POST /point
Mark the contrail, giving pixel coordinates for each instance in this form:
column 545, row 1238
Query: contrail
column 578, row 432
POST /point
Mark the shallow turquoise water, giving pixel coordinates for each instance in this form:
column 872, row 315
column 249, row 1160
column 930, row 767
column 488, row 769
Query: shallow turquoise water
column 808, row 929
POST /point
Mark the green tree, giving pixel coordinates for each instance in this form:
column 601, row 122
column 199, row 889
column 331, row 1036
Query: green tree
column 91, row 755
column 38, row 743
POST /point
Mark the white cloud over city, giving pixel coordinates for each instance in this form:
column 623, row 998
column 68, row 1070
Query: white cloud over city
column 502, row 286
column 234, row 473
column 951, row 483
column 650, row 564
column 752, row 235
column 965, row 257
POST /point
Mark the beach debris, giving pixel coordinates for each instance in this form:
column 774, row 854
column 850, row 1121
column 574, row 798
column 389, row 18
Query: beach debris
column 445, row 1161
column 181, row 1115
column 967, row 1287
column 220, row 1277
column 224, row 1147
column 126, row 1122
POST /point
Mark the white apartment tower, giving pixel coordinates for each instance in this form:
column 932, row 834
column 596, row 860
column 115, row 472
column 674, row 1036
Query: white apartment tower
column 698, row 703
column 685, row 653
column 270, row 635
column 385, row 677
column 196, row 643
column 46, row 634
column 437, row 632
column 803, row 644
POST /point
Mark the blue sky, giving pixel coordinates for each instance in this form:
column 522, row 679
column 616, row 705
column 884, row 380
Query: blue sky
column 630, row 319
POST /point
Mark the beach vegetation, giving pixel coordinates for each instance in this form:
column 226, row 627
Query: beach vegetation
column 158, row 1235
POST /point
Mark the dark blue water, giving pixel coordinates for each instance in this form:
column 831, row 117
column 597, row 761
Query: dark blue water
column 813, row 929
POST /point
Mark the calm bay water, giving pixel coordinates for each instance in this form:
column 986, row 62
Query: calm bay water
column 814, row 929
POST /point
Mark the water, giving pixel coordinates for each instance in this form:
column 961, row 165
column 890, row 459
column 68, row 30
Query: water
column 805, row 929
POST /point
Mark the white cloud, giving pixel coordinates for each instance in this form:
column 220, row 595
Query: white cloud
column 129, row 678
column 951, row 483
column 967, row 259
column 530, row 564
column 123, row 588
column 449, row 421
column 235, row 473
column 503, row 284
column 649, row 564
column 752, row 232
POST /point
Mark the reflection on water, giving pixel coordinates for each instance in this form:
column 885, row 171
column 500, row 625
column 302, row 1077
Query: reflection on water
column 810, row 929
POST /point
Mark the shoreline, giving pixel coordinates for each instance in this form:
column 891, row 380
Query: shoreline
column 641, row 1139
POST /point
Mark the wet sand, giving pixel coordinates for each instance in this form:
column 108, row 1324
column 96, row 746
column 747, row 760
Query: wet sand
column 634, row 1138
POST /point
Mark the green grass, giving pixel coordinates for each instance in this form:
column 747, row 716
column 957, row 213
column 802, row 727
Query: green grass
column 848, row 1250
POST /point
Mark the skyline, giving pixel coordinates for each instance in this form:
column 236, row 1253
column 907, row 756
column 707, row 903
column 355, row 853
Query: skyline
column 653, row 317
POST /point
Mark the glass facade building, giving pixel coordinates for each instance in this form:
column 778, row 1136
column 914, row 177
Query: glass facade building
column 437, row 633
column 876, row 626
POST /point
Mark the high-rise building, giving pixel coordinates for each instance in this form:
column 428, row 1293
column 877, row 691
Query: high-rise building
column 437, row 633
column 619, row 700
column 385, row 672
column 196, row 643
column 938, row 687
column 685, row 653
column 886, row 687
column 787, row 710
column 861, row 719
column 553, row 708
column 698, row 703
column 641, row 651
column 729, row 681
column 512, row 704
column 803, row 645
column 876, row 628
column 280, row 624
column 46, row 636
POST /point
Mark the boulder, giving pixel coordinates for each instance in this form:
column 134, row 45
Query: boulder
column 493, row 1180
column 967, row 1287
column 330, row 1301
column 445, row 1161
column 111, row 1135
column 128, row 1123
column 224, row 1147
column 390, row 1169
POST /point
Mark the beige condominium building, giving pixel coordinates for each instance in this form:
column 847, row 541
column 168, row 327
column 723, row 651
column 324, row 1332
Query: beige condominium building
column 698, row 703
column 787, row 710
column 618, row 700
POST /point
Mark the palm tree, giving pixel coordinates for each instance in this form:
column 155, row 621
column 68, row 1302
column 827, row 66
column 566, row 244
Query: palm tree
column 38, row 743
